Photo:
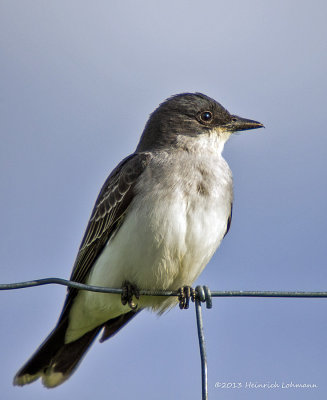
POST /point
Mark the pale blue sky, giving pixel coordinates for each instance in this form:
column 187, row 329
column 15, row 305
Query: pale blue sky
column 78, row 81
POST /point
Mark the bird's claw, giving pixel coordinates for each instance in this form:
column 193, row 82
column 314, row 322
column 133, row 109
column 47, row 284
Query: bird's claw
column 129, row 290
column 185, row 293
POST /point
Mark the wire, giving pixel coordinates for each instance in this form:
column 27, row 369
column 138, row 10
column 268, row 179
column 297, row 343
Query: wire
column 203, row 294
column 101, row 289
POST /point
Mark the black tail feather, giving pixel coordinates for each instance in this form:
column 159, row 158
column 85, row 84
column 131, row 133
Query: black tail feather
column 114, row 325
column 54, row 361
column 41, row 359
column 54, row 356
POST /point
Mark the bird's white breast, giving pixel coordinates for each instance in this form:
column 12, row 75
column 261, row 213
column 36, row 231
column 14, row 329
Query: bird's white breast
column 171, row 230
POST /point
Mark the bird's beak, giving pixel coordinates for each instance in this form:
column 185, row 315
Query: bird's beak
column 243, row 124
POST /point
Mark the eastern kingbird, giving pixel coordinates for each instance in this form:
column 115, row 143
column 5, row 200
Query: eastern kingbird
column 156, row 223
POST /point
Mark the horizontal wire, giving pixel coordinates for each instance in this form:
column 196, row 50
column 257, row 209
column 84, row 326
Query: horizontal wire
column 101, row 289
column 267, row 293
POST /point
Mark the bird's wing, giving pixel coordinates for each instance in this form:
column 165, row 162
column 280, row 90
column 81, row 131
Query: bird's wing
column 229, row 221
column 109, row 210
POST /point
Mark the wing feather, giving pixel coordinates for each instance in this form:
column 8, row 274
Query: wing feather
column 108, row 212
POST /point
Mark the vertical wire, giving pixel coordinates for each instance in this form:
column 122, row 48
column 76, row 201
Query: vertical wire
column 203, row 354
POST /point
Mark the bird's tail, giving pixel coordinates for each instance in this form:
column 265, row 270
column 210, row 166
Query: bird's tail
column 55, row 361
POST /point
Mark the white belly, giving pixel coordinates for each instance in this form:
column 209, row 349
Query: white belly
column 164, row 242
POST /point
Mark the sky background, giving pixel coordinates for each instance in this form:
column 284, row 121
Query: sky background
column 78, row 81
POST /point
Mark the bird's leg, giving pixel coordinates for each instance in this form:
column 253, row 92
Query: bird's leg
column 185, row 293
column 129, row 290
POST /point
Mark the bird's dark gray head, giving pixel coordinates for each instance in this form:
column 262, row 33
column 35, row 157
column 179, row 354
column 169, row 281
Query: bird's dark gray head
column 188, row 114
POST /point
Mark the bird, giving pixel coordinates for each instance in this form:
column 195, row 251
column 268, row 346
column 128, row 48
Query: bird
column 157, row 221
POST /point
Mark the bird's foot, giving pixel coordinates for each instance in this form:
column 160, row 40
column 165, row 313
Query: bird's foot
column 129, row 290
column 185, row 293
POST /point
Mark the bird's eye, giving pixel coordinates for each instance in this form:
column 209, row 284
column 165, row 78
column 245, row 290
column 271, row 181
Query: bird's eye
column 206, row 116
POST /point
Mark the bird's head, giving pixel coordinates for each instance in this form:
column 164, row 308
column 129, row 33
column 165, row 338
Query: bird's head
column 190, row 115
